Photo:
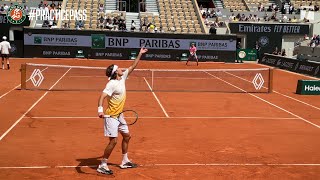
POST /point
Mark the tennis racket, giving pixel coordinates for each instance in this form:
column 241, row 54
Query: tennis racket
column 126, row 117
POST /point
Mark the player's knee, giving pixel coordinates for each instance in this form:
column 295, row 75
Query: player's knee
column 113, row 142
column 127, row 138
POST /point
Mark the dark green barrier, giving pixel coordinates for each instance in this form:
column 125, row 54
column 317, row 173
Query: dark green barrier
column 294, row 65
column 268, row 35
column 308, row 87
column 246, row 54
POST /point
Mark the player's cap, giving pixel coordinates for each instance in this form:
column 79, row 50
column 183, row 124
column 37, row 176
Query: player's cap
column 4, row 38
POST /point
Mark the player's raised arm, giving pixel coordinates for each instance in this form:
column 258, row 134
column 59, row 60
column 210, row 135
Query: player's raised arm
column 135, row 63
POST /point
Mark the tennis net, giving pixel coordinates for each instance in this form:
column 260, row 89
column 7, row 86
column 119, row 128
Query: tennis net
column 84, row 78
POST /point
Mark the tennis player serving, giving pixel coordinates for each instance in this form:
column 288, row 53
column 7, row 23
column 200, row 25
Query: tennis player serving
column 193, row 53
column 115, row 92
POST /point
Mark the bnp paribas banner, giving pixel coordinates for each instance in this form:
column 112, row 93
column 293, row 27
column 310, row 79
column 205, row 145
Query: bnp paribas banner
column 101, row 41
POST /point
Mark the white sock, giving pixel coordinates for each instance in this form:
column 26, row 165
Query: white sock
column 104, row 163
column 125, row 158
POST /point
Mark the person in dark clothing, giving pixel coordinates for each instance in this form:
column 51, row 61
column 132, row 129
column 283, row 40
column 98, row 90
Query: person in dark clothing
column 212, row 29
column 258, row 48
column 238, row 46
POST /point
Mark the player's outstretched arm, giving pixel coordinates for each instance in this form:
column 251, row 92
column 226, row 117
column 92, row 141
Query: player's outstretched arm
column 135, row 63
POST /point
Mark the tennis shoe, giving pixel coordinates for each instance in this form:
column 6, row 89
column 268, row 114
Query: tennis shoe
column 103, row 170
column 128, row 165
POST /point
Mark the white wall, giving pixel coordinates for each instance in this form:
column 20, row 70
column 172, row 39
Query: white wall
column 315, row 28
column 288, row 43
column 311, row 15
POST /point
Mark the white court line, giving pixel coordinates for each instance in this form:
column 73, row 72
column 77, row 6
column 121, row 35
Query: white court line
column 155, row 117
column 17, row 86
column 279, row 93
column 267, row 101
column 155, row 96
column 23, row 115
column 182, row 164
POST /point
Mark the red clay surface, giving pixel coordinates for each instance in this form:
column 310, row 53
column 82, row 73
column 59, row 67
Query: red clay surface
column 208, row 135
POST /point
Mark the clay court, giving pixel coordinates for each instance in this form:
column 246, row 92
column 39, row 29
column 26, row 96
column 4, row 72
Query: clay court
column 179, row 135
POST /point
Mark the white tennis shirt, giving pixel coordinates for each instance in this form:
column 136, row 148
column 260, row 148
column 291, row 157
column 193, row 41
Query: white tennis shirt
column 4, row 47
column 116, row 89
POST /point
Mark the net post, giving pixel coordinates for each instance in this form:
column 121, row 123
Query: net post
column 270, row 89
column 23, row 74
column 152, row 74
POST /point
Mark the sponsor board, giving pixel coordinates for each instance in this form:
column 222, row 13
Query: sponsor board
column 119, row 45
column 57, row 40
column 269, row 28
column 308, row 87
column 294, row 65
column 247, row 54
column 100, row 41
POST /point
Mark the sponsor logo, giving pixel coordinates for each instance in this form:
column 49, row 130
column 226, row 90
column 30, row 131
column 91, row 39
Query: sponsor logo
column 36, row 77
column 37, row 40
column 16, row 14
column 98, row 41
column 311, row 88
column 297, row 65
column 279, row 62
column 56, row 53
column 306, row 68
column 55, row 40
column 242, row 54
column 316, row 71
column 258, row 81
column 207, row 57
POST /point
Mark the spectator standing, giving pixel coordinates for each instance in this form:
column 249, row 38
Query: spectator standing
column 133, row 26
column 283, row 53
column 212, row 29
column 239, row 47
column 258, row 48
column 276, row 51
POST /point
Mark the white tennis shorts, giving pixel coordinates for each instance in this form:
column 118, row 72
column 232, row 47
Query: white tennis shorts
column 112, row 126
column 194, row 56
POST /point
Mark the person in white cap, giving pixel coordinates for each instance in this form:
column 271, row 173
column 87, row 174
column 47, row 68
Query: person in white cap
column 115, row 92
column 5, row 51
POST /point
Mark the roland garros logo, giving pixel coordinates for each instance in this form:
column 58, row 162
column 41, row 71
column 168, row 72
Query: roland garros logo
column 16, row 14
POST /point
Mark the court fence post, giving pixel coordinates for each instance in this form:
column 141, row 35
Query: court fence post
column 23, row 76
